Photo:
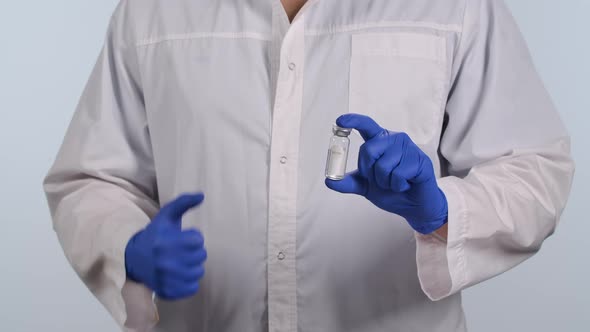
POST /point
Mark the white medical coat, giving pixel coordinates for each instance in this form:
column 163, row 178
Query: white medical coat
column 229, row 98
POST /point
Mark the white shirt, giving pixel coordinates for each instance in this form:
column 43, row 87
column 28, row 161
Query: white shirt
column 228, row 98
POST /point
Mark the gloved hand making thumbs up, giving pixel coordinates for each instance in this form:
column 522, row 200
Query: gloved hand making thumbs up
column 395, row 175
column 165, row 258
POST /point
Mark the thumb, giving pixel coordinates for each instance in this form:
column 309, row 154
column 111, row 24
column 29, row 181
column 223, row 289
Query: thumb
column 176, row 208
column 353, row 183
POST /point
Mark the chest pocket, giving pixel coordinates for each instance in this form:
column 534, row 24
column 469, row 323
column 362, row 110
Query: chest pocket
column 398, row 79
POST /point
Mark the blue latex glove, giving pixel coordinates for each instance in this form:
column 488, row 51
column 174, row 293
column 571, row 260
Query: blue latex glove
column 395, row 175
column 165, row 258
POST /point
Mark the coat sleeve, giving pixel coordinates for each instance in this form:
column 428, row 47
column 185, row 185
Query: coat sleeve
column 101, row 188
column 506, row 157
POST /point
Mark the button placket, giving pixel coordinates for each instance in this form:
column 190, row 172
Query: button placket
column 282, row 278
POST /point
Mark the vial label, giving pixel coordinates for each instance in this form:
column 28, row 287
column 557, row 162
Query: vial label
column 336, row 167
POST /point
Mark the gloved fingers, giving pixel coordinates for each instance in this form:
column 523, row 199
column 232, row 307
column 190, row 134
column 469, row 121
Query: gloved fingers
column 176, row 208
column 415, row 165
column 175, row 243
column 369, row 153
column 407, row 165
column 182, row 256
column 175, row 290
column 352, row 183
column 195, row 273
column 169, row 269
column 192, row 257
column 191, row 274
column 191, row 239
column 366, row 126
column 365, row 163
column 425, row 170
column 399, row 183
column 385, row 166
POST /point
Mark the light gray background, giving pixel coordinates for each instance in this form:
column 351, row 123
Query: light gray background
column 47, row 49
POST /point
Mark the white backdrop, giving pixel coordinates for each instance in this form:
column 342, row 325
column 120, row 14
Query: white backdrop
column 47, row 49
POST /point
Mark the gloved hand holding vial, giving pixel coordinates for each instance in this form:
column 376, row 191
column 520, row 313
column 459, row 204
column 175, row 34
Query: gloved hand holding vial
column 393, row 173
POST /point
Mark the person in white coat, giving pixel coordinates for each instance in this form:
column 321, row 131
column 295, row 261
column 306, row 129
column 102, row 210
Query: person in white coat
column 236, row 99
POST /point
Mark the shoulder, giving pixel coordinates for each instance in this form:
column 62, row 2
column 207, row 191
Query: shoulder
column 146, row 19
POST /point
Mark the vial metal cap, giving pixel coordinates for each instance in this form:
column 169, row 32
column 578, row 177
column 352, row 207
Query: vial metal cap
column 342, row 132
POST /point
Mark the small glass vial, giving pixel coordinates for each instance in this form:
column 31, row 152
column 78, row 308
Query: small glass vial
column 338, row 153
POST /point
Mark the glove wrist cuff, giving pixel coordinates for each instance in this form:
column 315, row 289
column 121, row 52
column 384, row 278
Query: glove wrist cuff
column 130, row 256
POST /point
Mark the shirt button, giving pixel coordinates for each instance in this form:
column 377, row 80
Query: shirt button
column 281, row 256
column 283, row 160
column 292, row 66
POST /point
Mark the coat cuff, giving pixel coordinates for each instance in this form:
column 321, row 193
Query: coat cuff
column 441, row 265
column 138, row 310
column 142, row 314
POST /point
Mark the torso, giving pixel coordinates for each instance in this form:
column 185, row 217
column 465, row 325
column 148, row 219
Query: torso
column 208, row 72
